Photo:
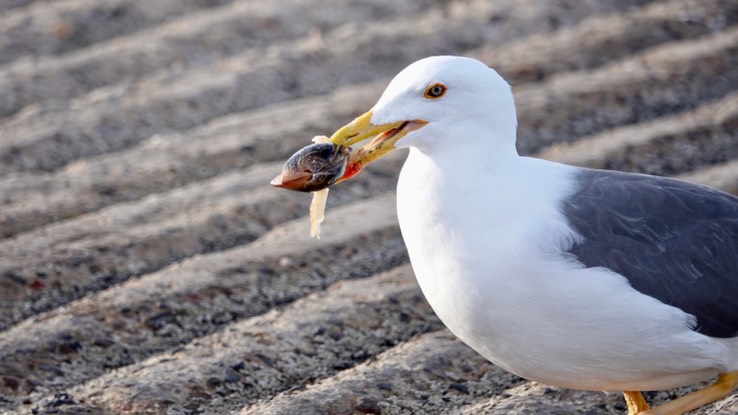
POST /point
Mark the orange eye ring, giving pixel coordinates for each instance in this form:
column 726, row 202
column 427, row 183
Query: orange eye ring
column 435, row 91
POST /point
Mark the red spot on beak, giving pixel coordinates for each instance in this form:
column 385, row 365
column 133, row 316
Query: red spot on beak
column 352, row 169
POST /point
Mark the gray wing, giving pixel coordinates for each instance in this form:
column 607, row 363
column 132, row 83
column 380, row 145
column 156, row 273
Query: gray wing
column 674, row 241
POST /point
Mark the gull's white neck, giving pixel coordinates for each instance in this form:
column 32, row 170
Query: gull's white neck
column 471, row 219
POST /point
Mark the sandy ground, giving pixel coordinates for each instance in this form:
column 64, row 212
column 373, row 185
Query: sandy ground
column 147, row 267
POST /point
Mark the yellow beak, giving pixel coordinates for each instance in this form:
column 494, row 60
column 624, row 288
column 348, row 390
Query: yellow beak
column 361, row 128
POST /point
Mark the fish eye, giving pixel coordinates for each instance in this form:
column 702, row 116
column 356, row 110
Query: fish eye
column 435, row 91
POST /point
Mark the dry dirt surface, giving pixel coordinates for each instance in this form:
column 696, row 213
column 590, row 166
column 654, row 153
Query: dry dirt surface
column 146, row 266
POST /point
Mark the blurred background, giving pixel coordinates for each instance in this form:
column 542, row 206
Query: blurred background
column 147, row 267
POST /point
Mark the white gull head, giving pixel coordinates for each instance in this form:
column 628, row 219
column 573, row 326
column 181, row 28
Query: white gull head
column 476, row 98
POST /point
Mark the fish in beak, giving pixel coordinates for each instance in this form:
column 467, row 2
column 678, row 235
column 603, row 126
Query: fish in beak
column 314, row 167
column 319, row 166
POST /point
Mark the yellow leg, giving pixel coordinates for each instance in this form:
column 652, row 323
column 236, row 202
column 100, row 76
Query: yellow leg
column 723, row 386
column 636, row 403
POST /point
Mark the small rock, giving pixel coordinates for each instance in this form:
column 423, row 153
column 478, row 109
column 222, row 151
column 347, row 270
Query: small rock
column 231, row 376
column 11, row 383
column 459, row 387
column 159, row 320
column 386, row 386
column 368, row 406
column 69, row 347
column 213, row 382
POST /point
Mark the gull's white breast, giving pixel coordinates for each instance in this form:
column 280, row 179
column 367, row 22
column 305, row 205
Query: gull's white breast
column 488, row 246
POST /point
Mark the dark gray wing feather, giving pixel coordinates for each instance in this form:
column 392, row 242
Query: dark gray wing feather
column 672, row 240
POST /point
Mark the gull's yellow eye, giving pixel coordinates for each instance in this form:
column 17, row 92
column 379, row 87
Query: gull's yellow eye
column 435, row 91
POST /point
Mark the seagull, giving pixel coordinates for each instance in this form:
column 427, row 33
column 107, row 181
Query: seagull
column 572, row 277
